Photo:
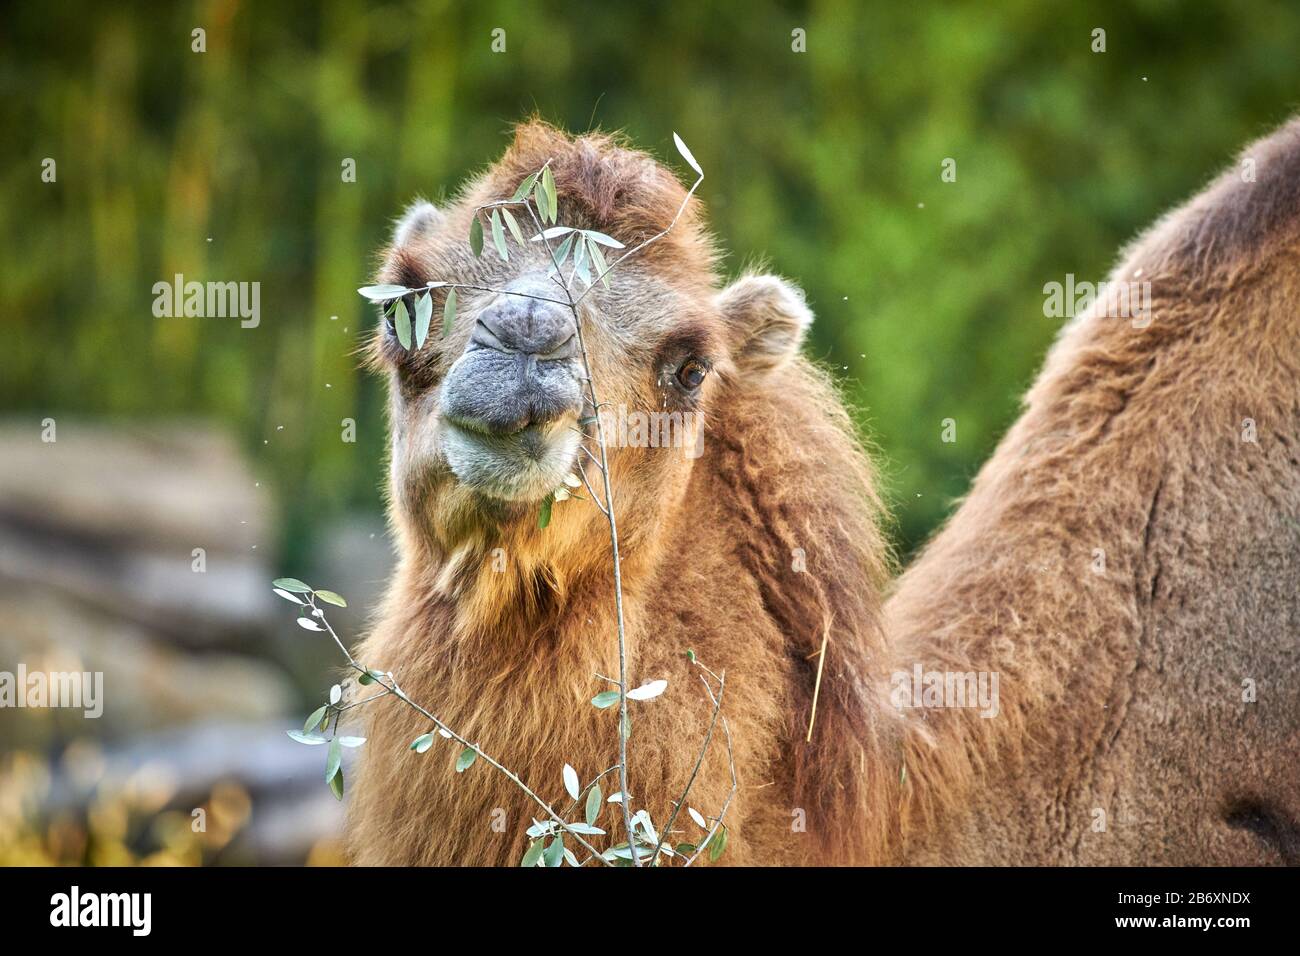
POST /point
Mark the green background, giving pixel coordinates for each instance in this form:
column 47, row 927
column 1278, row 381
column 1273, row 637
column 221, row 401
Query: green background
column 226, row 165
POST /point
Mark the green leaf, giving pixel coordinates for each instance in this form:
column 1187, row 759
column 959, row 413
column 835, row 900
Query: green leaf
column 333, row 760
column 580, row 267
column 562, row 253
column 306, row 738
column 553, row 855
column 369, row 677
column 314, row 720
column 287, row 596
column 686, row 154
column 336, row 785
column 571, row 782
column 378, row 293
column 309, row 624
column 685, row 849
column 476, row 235
column 548, row 184
column 499, row 237
column 598, row 263
column 402, row 322
column 603, row 239
column 448, row 312
column 466, row 759
column 509, row 217
column 351, row 741
column 331, row 598
column 592, row 810
column 690, row 654
column 544, row 513
column 606, row 698
column 423, row 315
column 717, row 844
column 533, row 854
column 522, row 191
column 422, row 743
column 291, row 584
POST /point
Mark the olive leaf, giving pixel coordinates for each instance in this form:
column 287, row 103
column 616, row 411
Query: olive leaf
column 423, row 315
column 499, row 237
column 380, row 293
column 448, row 312
column 331, row 598
column 522, row 191
column 571, row 781
column 402, row 323
column 606, row 698
column 476, row 235
column 548, row 184
column 291, row 584
column 509, row 217
column 686, row 155
column 532, row 854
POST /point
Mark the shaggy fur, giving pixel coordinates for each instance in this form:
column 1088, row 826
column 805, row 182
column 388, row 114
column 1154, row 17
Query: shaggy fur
column 747, row 555
column 1123, row 736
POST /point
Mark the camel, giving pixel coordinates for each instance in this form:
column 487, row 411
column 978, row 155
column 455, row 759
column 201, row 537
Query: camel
column 1127, row 562
column 745, row 547
column 1118, row 586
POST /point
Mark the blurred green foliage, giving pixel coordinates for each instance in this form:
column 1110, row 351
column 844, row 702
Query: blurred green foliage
column 826, row 165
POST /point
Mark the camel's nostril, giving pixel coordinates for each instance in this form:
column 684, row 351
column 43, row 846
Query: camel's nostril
column 522, row 320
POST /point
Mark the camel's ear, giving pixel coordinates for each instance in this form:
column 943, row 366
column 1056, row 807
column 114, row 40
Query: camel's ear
column 420, row 218
column 767, row 318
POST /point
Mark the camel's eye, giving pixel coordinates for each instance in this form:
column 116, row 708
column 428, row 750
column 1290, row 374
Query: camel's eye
column 691, row 373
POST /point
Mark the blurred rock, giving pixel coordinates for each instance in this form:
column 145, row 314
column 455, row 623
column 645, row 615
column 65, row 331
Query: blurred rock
column 111, row 516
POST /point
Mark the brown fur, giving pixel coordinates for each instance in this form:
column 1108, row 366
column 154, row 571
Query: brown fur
column 1122, row 691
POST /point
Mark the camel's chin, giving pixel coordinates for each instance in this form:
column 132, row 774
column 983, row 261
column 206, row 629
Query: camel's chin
column 525, row 466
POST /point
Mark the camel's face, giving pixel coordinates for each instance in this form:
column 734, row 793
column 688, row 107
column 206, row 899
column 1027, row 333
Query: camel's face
column 493, row 414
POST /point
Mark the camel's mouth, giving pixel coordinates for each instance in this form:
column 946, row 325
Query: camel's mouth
column 526, row 465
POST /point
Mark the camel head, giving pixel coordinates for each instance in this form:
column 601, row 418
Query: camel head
column 491, row 415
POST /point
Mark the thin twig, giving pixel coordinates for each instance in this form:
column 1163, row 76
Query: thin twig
column 731, row 759
column 817, row 687
column 487, row 758
column 655, row 238
column 613, row 537
column 708, row 736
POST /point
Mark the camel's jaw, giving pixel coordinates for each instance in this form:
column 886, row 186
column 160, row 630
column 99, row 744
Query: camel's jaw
column 522, row 466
